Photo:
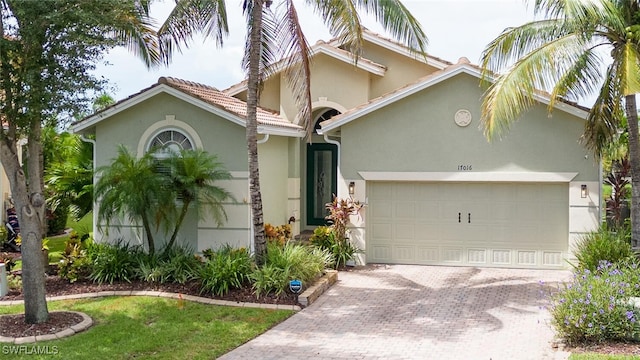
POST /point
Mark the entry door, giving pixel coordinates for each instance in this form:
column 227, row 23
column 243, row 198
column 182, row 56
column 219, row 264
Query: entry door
column 322, row 179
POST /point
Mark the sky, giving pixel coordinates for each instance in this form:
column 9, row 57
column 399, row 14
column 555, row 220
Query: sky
column 455, row 28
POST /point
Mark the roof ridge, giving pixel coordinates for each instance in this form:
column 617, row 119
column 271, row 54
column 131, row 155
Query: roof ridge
column 167, row 80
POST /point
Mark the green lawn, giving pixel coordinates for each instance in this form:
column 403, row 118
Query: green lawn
column 155, row 328
column 602, row 357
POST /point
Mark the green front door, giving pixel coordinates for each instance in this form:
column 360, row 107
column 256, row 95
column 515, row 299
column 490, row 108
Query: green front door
column 322, row 179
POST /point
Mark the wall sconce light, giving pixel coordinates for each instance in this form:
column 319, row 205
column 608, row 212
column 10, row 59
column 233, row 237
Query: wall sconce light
column 352, row 188
column 584, row 191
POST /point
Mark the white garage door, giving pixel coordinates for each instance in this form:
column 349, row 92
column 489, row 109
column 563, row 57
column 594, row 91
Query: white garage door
column 473, row 224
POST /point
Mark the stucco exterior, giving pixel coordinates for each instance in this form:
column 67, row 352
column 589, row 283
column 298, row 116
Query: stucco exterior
column 399, row 124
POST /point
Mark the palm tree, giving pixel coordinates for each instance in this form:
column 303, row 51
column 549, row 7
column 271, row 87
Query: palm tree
column 564, row 53
column 131, row 188
column 278, row 34
column 192, row 174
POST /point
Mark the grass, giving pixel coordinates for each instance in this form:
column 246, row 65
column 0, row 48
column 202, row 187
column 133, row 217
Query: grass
column 156, row 328
column 56, row 244
column 591, row 356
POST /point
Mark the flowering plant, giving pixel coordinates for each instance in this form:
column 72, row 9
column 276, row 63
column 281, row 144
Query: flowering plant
column 597, row 305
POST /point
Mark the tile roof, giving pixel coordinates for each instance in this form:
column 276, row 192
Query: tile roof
column 215, row 97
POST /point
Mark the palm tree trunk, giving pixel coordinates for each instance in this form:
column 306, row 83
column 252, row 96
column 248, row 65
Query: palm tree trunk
column 255, row 48
column 634, row 159
column 183, row 214
column 147, row 230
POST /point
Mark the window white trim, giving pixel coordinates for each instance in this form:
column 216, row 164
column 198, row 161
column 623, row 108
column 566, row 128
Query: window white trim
column 168, row 124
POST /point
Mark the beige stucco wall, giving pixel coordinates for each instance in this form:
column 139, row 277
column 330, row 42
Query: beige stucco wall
column 333, row 81
column 274, row 170
column 401, row 70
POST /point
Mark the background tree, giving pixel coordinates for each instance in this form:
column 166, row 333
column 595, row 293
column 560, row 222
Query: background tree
column 564, row 52
column 48, row 50
column 274, row 32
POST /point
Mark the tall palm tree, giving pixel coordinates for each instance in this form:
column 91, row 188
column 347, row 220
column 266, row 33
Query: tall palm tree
column 192, row 175
column 564, row 53
column 274, row 32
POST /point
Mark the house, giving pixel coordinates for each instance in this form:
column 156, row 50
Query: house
column 397, row 132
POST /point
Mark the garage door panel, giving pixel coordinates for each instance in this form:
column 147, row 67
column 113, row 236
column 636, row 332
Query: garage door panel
column 404, row 210
column 382, row 231
column 379, row 210
column 404, row 232
column 509, row 224
column 404, row 191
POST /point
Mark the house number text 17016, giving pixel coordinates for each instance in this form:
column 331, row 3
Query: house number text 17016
column 464, row 168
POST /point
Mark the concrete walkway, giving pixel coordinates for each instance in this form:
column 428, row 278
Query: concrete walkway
column 420, row 312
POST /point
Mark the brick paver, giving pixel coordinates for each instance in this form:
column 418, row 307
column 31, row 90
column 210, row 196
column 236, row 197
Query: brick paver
column 420, row 312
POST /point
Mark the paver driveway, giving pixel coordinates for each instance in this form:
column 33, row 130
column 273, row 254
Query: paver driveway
column 420, row 312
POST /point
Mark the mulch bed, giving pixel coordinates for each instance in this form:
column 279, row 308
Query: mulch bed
column 56, row 286
column 608, row 348
column 14, row 325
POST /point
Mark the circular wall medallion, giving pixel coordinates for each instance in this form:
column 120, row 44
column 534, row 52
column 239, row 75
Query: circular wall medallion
column 463, row 117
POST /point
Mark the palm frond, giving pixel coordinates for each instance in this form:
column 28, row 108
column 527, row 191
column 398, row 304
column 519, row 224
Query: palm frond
column 189, row 17
column 297, row 55
column 396, row 19
column 343, row 21
column 606, row 115
column 514, row 91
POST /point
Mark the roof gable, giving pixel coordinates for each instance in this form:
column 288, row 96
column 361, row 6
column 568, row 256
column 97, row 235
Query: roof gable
column 463, row 66
column 200, row 95
column 324, row 48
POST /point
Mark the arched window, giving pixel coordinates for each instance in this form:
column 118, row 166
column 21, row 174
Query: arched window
column 169, row 141
column 326, row 115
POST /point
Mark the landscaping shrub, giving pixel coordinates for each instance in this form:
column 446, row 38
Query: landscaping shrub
column 174, row 265
column 341, row 249
column 115, row 262
column 75, row 263
column 595, row 305
column 225, row 269
column 278, row 234
column 288, row 262
column 180, row 265
column 602, row 245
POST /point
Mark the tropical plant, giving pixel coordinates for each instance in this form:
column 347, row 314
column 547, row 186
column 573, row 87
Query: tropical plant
column 278, row 34
column 617, row 203
column 114, row 262
column 131, row 188
column 564, row 52
column 75, row 263
column 48, row 51
column 192, row 176
column 286, row 263
column 595, row 306
column 280, row 234
column 603, row 245
column 341, row 249
column 225, row 269
column 340, row 212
